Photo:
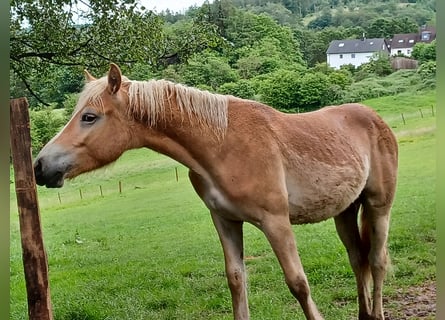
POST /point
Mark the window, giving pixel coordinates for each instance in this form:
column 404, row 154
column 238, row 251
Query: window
column 408, row 51
column 426, row 36
column 399, row 51
column 341, row 56
column 352, row 55
column 401, row 41
column 341, row 44
column 411, row 41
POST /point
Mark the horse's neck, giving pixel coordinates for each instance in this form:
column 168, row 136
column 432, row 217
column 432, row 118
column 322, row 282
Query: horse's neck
column 183, row 140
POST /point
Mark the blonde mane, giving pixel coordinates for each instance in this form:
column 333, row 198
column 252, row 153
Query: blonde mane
column 152, row 100
column 91, row 94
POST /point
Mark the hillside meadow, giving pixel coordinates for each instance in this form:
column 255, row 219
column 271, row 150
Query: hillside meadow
column 149, row 250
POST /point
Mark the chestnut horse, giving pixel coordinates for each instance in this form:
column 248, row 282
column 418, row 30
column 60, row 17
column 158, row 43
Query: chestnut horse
column 249, row 163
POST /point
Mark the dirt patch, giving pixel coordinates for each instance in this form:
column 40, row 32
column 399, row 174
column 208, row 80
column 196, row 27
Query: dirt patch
column 414, row 303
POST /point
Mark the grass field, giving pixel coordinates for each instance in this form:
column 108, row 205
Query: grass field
column 151, row 252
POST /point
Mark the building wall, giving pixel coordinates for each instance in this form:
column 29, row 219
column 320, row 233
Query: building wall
column 337, row 60
column 406, row 51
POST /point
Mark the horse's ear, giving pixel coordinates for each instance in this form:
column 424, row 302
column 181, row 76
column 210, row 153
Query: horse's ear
column 88, row 76
column 114, row 79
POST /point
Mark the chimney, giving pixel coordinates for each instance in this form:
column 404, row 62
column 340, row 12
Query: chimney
column 363, row 37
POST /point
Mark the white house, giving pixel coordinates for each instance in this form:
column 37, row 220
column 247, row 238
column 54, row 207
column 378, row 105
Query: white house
column 354, row 51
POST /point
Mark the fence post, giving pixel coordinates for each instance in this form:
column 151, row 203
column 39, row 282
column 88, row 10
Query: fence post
column 403, row 118
column 101, row 193
column 421, row 113
column 176, row 172
column 33, row 252
column 120, row 187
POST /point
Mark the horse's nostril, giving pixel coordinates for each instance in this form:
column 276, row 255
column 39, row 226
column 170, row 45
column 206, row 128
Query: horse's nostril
column 37, row 167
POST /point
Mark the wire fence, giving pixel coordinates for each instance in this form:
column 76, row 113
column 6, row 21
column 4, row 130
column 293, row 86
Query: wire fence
column 87, row 191
column 404, row 118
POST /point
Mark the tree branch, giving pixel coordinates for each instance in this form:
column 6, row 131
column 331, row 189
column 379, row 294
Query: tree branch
column 43, row 55
column 28, row 87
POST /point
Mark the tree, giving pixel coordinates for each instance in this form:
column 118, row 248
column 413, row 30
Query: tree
column 386, row 28
column 265, row 56
column 379, row 64
column 242, row 89
column 90, row 34
column 313, row 89
column 321, row 22
column 424, row 51
column 208, row 68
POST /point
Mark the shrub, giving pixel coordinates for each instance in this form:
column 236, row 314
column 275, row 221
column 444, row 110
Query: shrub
column 44, row 125
column 242, row 89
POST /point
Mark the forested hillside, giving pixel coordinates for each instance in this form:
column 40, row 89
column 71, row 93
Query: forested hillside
column 270, row 51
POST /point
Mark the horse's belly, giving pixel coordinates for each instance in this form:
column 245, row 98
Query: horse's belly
column 315, row 211
column 323, row 199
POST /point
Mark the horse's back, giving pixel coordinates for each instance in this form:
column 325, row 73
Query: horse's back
column 360, row 124
column 331, row 156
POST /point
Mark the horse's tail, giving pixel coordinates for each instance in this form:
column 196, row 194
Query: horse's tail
column 365, row 247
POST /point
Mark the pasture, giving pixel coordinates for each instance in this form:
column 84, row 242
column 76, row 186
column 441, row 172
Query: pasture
column 151, row 252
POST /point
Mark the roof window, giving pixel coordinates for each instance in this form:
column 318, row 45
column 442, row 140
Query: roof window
column 426, row 35
column 341, row 44
column 411, row 41
column 401, row 40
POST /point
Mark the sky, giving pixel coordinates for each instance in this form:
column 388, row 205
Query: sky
column 172, row 5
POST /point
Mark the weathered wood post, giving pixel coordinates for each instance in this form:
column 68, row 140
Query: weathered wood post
column 33, row 252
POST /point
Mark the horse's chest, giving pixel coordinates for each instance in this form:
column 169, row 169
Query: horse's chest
column 215, row 200
column 220, row 203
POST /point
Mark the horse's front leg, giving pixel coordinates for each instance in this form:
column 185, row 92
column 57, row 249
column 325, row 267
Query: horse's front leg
column 281, row 237
column 231, row 236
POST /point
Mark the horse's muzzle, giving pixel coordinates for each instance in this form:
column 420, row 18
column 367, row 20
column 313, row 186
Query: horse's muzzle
column 47, row 176
column 52, row 165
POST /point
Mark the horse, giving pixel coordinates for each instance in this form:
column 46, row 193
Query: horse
column 248, row 162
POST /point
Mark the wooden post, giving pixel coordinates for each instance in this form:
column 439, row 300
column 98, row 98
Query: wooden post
column 421, row 113
column 60, row 199
column 120, row 187
column 403, row 118
column 176, row 172
column 101, row 193
column 80, row 193
column 33, row 252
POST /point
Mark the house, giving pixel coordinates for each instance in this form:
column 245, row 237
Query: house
column 403, row 43
column 354, row 51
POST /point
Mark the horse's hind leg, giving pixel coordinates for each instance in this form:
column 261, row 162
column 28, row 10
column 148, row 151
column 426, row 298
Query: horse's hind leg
column 279, row 233
column 376, row 218
column 358, row 249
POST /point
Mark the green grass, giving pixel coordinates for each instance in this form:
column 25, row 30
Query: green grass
column 152, row 252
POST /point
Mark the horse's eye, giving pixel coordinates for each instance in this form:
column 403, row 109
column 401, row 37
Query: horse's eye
column 89, row 118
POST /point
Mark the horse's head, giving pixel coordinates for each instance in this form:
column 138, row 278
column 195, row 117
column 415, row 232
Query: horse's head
column 98, row 132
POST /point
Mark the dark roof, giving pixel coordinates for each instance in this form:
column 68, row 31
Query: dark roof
column 356, row 45
column 408, row 40
column 404, row 40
